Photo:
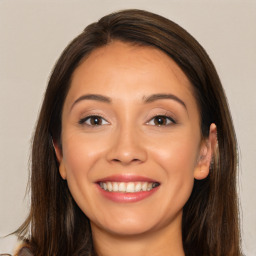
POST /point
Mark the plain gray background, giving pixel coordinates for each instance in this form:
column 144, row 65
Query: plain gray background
column 34, row 33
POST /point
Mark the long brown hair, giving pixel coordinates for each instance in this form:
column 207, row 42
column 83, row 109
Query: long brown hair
column 56, row 225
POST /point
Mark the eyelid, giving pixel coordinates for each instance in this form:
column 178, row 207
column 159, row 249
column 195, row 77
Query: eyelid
column 167, row 116
column 83, row 120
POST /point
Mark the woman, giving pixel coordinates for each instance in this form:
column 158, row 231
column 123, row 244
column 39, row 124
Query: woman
column 126, row 156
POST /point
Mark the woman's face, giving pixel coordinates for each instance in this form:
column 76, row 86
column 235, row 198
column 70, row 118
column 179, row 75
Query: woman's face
column 131, row 140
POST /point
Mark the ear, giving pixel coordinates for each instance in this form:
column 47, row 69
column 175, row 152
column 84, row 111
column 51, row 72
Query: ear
column 59, row 156
column 206, row 154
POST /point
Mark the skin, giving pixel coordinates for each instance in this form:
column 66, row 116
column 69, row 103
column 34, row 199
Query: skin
column 130, row 141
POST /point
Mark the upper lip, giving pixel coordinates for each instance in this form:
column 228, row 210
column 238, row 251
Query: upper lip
column 126, row 178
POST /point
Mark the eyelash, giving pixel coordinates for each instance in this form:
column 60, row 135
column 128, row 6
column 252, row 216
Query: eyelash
column 165, row 118
column 83, row 120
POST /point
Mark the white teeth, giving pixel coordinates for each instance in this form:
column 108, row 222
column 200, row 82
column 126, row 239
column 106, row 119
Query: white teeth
column 115, row 186
column 144, row 186
column 122, row 187
column 128, row 187
column 109, row 184
column 138, row 187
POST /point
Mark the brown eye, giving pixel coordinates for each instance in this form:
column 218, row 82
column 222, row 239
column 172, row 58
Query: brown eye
column 93, row 121
column 161, row 121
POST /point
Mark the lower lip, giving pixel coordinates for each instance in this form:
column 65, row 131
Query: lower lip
column 122, row 197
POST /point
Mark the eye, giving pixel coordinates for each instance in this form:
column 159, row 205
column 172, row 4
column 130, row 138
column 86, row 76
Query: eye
column 161, row 120
column 93, row 121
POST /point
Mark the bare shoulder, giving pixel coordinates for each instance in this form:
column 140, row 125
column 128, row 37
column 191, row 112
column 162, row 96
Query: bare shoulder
column 23, row 250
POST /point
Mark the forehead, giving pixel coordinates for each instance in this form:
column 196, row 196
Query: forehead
column 119, row 69
column 128, row 56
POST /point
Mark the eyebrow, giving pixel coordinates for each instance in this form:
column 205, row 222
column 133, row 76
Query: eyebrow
column 155, row 97
column 96, row 97
column 149, row 99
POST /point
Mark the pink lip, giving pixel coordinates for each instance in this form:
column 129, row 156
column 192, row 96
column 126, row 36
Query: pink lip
column 123, row 197
column 126, row 178
column 120, row 197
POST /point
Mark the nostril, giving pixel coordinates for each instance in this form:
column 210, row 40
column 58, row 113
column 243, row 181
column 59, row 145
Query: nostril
column 126, row 161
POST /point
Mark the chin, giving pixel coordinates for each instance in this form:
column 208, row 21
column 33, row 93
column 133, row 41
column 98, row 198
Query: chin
column 129, row 228
column 132, row 224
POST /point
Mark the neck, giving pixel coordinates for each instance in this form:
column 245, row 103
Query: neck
column 166, row 241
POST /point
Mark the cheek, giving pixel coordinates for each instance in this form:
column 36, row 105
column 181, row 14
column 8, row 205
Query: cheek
column 80, row 156
column 177, row 154
column 80, row 153
column 177, row 160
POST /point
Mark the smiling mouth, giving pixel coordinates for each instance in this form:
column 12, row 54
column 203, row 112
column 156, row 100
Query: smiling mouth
column 128, row 187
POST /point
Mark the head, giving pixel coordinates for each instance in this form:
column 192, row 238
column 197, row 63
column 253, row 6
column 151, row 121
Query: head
column 209, row 213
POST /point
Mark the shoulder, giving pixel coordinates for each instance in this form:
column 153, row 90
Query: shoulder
column 23, row 250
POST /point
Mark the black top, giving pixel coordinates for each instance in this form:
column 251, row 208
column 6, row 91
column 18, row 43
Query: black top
column 25, row 252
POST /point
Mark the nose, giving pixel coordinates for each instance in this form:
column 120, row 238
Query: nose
column 127, row 147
